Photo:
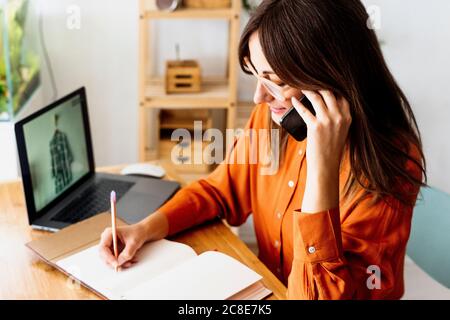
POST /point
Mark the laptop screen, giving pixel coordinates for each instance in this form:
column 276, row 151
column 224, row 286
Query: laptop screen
column 57, row 153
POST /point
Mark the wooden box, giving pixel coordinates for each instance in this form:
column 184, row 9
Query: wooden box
column 207, row 4
column 178, row 119
column 183, row 76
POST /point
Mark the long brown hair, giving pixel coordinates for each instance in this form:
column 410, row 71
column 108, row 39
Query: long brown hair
column 322, row 44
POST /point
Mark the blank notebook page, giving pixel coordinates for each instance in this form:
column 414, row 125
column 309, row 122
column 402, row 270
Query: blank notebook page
column 153, row 259
column 210, row 276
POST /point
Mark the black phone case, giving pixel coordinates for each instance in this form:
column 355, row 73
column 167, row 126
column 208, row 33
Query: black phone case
column 294, row 124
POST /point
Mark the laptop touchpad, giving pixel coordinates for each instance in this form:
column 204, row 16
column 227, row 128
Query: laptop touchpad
column 135, row 206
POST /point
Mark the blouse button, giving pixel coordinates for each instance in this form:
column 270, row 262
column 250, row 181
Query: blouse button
column 291, row 184
column 276, row 243
column 312, row 249
column 300, row 152
column 279, row 215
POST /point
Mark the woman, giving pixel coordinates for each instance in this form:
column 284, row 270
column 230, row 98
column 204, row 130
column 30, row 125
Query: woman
column 339, row 206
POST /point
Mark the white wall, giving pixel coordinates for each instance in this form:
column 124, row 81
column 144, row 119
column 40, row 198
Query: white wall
column 103, row 57
column 417, row 49
column 8, row 156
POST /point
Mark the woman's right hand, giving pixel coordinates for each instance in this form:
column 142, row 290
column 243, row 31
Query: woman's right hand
column 131, row 238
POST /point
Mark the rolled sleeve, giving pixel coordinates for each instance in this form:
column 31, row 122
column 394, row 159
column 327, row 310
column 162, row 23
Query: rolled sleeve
column 178, row 212
column 191, row 206
column 319, row 236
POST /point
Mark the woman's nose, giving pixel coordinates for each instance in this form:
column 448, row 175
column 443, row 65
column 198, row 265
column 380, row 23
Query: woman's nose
column 261, row 94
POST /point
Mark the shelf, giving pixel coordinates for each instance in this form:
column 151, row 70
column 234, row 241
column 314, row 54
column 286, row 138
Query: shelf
column 187, row 13
column 180, row 123
column 214, row 94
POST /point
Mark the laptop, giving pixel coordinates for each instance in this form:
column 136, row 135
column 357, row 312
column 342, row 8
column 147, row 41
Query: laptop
column 58, row 171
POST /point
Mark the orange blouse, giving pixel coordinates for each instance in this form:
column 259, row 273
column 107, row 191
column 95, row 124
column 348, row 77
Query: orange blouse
column 326, row 255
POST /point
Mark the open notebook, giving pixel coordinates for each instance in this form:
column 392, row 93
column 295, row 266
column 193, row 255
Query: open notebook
column 165, row 269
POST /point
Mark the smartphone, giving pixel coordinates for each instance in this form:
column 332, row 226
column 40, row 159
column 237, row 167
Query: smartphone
column 294, row 124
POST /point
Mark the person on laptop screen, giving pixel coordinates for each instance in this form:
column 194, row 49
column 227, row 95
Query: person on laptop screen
column 333, row 218
column 66, row 160
column 59, row 178
column 62, row 158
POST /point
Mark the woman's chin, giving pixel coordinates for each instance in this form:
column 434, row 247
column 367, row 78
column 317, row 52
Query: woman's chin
column 276, row 117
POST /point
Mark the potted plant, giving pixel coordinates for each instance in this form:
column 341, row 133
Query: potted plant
column 19, row 67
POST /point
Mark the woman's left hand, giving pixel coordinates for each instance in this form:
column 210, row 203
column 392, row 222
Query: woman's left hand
column 327, row 136
column 328, row 130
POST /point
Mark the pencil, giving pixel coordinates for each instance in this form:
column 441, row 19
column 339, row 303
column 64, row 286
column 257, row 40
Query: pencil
column 113, row 224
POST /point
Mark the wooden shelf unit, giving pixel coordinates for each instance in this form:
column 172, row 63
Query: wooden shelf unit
column 214, row 94
column 217, row 93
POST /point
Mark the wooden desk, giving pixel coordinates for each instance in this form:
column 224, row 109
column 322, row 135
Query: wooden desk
column 24, row 276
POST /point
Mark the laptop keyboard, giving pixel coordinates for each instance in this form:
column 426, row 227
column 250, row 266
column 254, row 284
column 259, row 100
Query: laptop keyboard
column 95, row 199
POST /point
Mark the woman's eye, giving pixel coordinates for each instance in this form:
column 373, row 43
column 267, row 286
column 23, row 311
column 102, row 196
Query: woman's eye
column 279, row 83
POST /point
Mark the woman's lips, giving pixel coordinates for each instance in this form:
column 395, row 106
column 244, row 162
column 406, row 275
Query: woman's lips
column 278, row 110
